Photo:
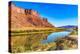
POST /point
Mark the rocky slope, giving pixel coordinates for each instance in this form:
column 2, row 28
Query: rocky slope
column 22, row 18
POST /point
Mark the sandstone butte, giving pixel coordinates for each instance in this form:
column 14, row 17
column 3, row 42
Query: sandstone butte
column 20, row 18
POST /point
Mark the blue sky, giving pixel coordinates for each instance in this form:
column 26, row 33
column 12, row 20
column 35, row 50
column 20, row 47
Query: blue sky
column 57, row 14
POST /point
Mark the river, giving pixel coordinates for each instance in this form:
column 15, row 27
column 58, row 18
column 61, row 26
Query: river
column 34, row 42
column 53, row 36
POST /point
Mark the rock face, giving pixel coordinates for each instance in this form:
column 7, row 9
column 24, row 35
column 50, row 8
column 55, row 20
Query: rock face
column 20, row 18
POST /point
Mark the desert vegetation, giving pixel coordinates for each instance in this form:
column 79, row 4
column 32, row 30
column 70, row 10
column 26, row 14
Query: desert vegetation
column 30, row 40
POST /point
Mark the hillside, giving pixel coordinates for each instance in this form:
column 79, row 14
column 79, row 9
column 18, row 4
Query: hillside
column 25, row 18
column 68, row 26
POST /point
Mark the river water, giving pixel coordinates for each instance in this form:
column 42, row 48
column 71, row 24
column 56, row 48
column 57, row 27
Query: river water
column 53, row 36
column 33, row 42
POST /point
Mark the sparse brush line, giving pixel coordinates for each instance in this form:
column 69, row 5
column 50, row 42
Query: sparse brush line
column 30, row 31
column 26, row 33
column 37, row 30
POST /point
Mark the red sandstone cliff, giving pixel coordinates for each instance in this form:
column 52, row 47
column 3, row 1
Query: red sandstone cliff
column 20, row 18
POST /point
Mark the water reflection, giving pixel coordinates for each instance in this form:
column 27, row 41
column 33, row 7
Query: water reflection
column 54, row 36
column 28, row 42
column 38, row 42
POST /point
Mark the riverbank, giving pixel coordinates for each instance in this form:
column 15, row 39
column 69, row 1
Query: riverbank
column 18, row 32
column 66, row 43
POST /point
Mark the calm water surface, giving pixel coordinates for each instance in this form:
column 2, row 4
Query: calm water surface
column 53, row 36
column 34, row 41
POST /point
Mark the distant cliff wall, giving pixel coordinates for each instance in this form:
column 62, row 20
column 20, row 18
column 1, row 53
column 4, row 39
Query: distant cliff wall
column 21, row 18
